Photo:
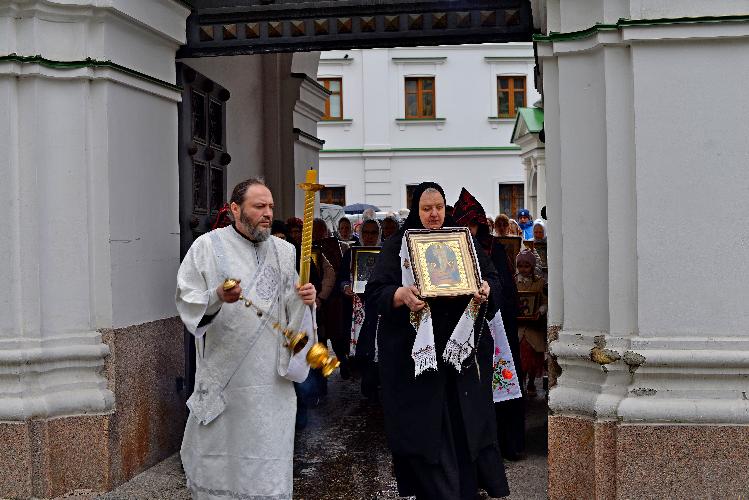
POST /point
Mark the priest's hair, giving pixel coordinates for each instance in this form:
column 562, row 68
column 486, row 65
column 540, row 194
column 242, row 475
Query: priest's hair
column 237, row 194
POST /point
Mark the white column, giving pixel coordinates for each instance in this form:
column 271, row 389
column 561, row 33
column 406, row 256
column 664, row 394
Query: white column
column 66, row 129
column 554, row 212
column 527, row 166
column 539, row 156
column 654, row 347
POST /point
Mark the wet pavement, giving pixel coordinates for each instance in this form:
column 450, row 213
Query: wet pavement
column 342, row 454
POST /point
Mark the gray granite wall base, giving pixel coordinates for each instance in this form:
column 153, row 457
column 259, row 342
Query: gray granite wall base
column 610, row 460
column 46, row 458
column 150, row 413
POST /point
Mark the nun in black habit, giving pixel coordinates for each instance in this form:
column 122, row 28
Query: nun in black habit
column 440, row 424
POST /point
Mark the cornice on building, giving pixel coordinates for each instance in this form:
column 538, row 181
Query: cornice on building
column 88, row 63
column 624, row 23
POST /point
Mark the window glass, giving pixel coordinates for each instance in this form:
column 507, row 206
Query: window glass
column 412, row 108
column 411, row 85
column 428, row 105
column 519, row 100
column 504, row 105
column 335, row 106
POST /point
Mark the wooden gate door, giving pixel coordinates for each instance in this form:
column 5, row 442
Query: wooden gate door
column 203, row 160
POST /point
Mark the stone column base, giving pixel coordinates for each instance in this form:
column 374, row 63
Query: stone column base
column 608, row 460
column 47, row 458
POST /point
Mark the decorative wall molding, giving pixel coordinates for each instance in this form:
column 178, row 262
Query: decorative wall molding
column 55, row 377
column 647, row 23
column 419, row 60
column 336, row 61
column 156, row 17
column 89, row 69
column 652, row 379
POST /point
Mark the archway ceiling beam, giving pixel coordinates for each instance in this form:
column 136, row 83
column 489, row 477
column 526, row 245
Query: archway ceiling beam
column 234, row 27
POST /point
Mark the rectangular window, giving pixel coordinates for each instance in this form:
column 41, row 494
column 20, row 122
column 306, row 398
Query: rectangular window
column 511, row 199
column 420, row 98
column 333, row 195
column 510, row 95
column 334, row 104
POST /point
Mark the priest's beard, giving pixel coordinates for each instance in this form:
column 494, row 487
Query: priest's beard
column 254, row 231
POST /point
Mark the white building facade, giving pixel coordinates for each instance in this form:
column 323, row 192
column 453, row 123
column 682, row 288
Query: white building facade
column 408, row 115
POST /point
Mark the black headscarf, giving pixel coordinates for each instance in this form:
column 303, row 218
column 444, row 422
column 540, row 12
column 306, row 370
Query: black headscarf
column 413, row 221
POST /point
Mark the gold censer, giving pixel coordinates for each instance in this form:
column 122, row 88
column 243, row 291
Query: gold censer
column 317, row 357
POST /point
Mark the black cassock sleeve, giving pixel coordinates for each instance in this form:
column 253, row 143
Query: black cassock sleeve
column 490, row 275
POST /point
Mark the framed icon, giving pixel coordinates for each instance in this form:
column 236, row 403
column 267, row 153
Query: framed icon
column 315, row 255
column 363, row 260
column 444, row 262
column 540, row 247
column 512, row 246
column 529, row 304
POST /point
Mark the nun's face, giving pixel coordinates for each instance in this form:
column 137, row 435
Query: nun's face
column 432, row 210
column 538, row 232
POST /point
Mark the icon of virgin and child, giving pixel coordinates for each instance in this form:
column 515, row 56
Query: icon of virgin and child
column 442, row 265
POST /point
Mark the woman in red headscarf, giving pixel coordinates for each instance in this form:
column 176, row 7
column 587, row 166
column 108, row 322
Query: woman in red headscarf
column 510, row 414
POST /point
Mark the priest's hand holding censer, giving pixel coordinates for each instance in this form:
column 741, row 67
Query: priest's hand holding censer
column 230, row 291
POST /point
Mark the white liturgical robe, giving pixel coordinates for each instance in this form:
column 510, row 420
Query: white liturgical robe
column 239, row 438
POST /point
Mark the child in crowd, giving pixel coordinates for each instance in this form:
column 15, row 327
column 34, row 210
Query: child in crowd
column 514, row 229
column 531, row 323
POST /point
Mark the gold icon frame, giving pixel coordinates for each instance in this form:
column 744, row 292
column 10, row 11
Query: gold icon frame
column 457, row 274
column 358, row 285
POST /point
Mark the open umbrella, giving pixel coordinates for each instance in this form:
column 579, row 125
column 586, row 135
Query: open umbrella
column 358, row 208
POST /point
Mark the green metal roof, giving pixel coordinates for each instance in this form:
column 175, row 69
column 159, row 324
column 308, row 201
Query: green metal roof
column 533, row 118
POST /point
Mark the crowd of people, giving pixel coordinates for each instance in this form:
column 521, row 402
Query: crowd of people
column 446, row 431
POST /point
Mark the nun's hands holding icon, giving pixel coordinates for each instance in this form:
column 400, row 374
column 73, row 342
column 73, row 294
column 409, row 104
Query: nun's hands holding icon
column 483, row 294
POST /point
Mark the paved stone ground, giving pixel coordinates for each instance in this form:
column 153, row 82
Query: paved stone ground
column 342, row 455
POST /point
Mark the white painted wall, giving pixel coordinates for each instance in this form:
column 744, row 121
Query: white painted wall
column 373, row 89
column 144, row 198
column 691, row 175
column 90, row 181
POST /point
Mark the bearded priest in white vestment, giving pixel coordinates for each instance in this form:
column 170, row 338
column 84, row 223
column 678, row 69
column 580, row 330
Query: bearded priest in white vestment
column 239, row 438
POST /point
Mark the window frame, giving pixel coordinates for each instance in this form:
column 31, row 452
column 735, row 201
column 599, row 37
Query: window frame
column 420, row 92
column 333, row 188
column 510, row 90
column 325, row 82
column 517, row 197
